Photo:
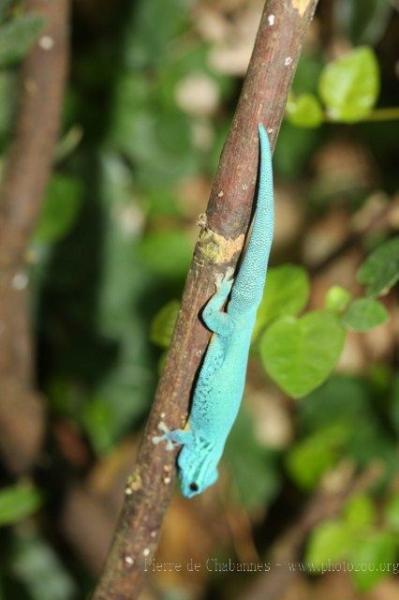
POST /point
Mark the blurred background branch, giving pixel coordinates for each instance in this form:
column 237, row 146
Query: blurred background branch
column 27, row 171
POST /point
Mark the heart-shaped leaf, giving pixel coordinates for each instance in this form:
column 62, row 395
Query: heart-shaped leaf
column 329, row 543
column 377, row 550
column 349, row 86
column 304, row 111
column 299, row 354
column 364, row 314
column 286, row 293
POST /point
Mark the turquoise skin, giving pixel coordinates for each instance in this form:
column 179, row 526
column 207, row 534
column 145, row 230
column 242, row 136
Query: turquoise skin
column 221, row 380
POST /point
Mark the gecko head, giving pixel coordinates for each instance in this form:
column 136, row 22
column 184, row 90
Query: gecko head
column 198, row 467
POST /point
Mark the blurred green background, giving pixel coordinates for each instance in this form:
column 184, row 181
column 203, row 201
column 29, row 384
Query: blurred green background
column 151, row 93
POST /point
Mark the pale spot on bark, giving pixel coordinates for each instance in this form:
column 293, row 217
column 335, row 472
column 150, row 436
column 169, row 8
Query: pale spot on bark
column 133, row 484
column 20, row 281
column 46, row 42
column 301, row 6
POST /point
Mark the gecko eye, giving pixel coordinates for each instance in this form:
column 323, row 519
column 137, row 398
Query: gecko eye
column 194, row 487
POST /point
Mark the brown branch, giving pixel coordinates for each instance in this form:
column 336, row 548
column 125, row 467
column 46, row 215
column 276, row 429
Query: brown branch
column 28, row 168
column 277, row 49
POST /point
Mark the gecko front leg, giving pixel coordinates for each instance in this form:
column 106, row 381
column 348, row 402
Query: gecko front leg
column 173, row 438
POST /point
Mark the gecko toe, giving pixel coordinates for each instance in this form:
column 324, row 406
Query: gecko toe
column 218, row 280
column 229, row 273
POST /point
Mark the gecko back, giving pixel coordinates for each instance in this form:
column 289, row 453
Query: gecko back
column 249, row 284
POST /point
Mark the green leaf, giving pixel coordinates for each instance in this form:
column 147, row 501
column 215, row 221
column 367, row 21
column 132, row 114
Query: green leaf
column 17, row 37
column 369, row 442
column 123, row 278
column 299, row 354
column 163, row 324
column 286, row 293
column 147, row 45
column 17, row 502
column 364, row 314
column 60, row 209
column 125, row 303
column 365, row 21
column 329, row 542
column 304, row 111
column 380, row 271
column 371, row 558
column 98, row 420
column 392, row 513
column 4, row 8
column 252, row 466
column 337, row 298
column 307, row 73
column 349, row 86
column 166, row 253
column 309, row 459
column 360, row 513
column 339, row 398
column 156, row 138
column 295, row 146
column 34, row 563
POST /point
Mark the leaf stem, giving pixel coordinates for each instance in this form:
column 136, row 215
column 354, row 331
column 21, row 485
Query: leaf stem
column 383, row 114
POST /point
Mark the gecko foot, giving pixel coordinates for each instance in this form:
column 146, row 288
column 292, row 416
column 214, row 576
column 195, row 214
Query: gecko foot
column 167, row 436
column 224, row 280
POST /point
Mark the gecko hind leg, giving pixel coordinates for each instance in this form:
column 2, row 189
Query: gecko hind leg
column 214, row 318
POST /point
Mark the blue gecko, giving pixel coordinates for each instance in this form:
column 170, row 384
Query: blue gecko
column 221, row 380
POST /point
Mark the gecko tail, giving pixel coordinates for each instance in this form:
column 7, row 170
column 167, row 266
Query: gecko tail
column 264, row 139
column 250, row 281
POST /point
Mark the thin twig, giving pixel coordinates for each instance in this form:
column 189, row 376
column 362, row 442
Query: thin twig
column 263, row 98
column 26, row 174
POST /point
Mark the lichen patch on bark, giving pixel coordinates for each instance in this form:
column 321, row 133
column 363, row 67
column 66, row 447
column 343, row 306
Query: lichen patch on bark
column 213, row 248
column 301, row 5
